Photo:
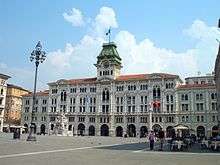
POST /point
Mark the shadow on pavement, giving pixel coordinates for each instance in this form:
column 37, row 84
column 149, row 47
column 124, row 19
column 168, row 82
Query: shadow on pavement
column 131, row 146
column 145, row 148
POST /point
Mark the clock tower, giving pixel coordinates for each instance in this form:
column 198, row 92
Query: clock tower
column 108, row 62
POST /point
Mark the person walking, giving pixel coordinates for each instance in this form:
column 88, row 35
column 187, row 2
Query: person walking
column 151, row 139
column 161, row 137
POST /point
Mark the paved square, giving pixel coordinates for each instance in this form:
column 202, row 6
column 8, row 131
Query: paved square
column 95, row 151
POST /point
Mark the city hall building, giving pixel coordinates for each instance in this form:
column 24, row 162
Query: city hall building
column 112, row 104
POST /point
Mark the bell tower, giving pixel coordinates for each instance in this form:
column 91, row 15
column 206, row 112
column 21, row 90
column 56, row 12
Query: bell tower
column 108, row 62
column 217, row 80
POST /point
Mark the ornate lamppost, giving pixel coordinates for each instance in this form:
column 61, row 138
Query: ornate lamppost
column 38, row 56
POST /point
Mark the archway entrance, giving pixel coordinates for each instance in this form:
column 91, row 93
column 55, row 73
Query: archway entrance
column 91, row 130
column 143, row 131
column 25, row 128
column 42, row 129
column 215, row 131
column 104, row 130
column 170, row 131
column 156, row 128
column 131, row 130
column 200, row 131
column 119, row 131
column 52, row 127
column 81, row 129
column 70, row 127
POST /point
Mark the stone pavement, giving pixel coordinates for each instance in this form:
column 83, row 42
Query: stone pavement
column 55, row 150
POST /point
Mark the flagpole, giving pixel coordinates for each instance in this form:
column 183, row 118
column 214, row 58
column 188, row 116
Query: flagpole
column 109, row 35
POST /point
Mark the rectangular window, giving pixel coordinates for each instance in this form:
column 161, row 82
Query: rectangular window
column 121, row 109
column 71, row 119
column 198, row 118
column 168, row 108
column 187, row 118
column 133, row 100
column 171, row 108
column 202, row 118
column 44, row 101
column 213, row 118
column 129, row 100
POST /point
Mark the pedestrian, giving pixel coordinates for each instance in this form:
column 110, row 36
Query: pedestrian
column 161, row 137
column 151, row 139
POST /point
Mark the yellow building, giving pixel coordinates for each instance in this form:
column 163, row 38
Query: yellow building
column 13, row 105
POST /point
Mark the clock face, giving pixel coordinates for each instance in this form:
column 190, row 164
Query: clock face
column 106, row 64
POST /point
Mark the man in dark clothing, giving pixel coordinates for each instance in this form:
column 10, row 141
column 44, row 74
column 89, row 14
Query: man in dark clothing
column 161, row 137
column 151, row 140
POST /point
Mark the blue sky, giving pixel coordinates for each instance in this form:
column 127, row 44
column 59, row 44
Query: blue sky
column 152, row 36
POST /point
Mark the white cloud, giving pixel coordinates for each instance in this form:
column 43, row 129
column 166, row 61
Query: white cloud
column 75, row 17
column 76, row 60
column 206, row 45
column 200, row 31
column 60, row 59
column 104, row 20
column 145, row 57
column 139, row 56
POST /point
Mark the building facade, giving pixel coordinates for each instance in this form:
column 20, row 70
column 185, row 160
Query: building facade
column 197, row 105
column 13, row 105
column 112, row 104
column 40, row 113
column 3, row 92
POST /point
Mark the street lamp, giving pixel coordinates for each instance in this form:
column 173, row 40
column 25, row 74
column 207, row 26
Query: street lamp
column 38, row 56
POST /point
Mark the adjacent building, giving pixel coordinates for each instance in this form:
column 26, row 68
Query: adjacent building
column 3, row 92
column 197, row 105
column 13, row 105
column 39, row 118
column 112, row 104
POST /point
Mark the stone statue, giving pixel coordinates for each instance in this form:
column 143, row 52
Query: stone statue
column 61, row 125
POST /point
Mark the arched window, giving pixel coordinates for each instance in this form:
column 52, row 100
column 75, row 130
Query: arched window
column 1, row 91
column 182, row 97
column 61, row 96
column 103, row 95
column 212, row 96
column 154, row 93
column 171, row 98
column 64, row 96
column 186, row 97
column 167, row 98
column 107, row 95
column 183, row 118
column 158, row 92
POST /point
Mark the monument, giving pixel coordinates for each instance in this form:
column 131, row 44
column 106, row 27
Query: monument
column 61, row 125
